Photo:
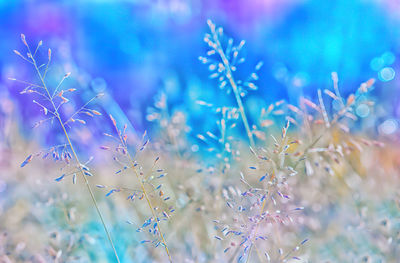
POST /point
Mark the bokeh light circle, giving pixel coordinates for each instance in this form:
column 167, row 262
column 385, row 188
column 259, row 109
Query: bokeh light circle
column 386, row 74
column 388, row 127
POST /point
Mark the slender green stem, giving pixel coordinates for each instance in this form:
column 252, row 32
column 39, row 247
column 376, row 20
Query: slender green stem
column 57, row 115
column 241, row 110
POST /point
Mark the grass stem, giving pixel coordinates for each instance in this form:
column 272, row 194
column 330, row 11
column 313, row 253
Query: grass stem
column 57, row 115
column 144, row 192
column 234, row 86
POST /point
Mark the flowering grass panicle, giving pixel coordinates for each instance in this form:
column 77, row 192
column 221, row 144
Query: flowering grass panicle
column 261, row 205
column 269, row 198
column 255, row 203
column 225, row 65
column 150, row 186
column 221, row 143
column 51, row 102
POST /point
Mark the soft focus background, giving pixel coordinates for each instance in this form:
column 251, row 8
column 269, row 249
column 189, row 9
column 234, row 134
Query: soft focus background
column 137, row 51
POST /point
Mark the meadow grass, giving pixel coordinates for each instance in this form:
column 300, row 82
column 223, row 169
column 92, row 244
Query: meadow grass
column 221, row 198
column 50, row 98
column 143, row 180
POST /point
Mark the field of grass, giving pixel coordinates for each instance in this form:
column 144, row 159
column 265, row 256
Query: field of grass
column 306, row 182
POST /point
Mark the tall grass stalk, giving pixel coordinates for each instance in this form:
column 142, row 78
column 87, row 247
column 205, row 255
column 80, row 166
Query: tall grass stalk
column 232, row 82
column 143, row 188
column 67, row 137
